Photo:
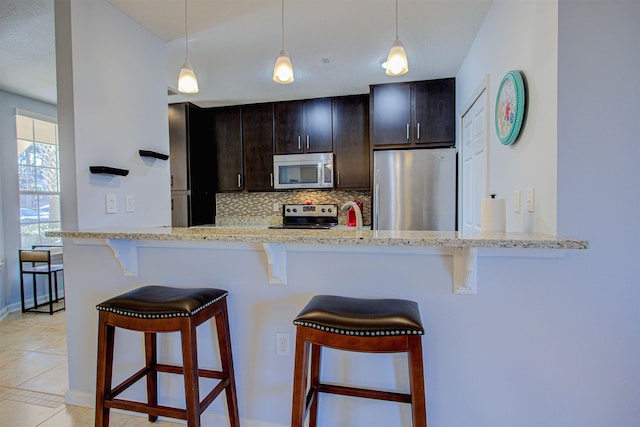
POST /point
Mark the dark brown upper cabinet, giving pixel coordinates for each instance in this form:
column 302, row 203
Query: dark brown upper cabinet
column 303, row 126
column 226, row 123
column 257, row 142
column 414, row 113
column 351, row 142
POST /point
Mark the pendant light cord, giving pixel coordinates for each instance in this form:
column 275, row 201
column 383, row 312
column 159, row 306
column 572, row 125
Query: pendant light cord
column 396, row 19
column 186, row 32
column 282, row 24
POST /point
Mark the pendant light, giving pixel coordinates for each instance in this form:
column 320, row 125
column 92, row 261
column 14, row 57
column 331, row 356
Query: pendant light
column 283, row 69
column 397, row 62
column 187, row 82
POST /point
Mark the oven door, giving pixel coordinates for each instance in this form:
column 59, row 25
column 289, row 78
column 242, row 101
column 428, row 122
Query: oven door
column 302, row 171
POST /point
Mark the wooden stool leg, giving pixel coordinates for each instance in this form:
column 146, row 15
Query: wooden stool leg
column 316, row 354
column 416, row 380
column 104, row 369
column 151, row 356
column 299, row 379
column 190, row 363
column 226, row 357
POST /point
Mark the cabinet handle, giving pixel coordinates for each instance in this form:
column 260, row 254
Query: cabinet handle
column 338, row 177
column 271, row 179
column 407, row 131
column 171, row 181
column 239, row 181
column 418, row 132
column 307, row 142
column 299, row 145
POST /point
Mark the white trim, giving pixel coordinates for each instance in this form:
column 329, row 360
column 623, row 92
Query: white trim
column 37, row 116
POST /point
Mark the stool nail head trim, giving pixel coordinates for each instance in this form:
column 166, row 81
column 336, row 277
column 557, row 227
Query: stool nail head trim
column 357, row 332
column 146, row 315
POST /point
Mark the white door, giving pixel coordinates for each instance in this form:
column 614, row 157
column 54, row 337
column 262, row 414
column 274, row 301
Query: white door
column 474, row 162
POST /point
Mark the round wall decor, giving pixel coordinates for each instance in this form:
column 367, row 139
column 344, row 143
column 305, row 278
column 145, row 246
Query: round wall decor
column 510, row 107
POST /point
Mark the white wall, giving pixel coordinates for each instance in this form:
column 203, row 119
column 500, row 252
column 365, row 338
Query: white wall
column 114, row 105
column 598, row 178
column 519, row 35
column 9, row 197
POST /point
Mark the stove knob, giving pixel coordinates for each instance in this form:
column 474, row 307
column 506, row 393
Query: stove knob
column 288, row 209
column 324, row 210
column 330, row 210
column 295, row 210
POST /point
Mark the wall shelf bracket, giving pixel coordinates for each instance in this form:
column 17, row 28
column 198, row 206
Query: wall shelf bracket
column 277, row 262
column 126, row 252
column 465, row 262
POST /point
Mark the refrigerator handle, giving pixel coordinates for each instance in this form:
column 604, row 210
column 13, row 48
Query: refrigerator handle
column 376, row 205
column 408, row 136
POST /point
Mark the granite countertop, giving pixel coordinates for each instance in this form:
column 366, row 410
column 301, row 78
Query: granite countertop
column 340, row 235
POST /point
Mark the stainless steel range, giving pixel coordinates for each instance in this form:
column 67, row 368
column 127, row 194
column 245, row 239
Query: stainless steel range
column 309, row 216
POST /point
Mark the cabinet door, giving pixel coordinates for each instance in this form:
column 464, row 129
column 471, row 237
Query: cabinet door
column 257, row 142
column 351, row 141
column 227, row 134
column 289, row 120
column 391, row 114
column 318, row 136
column 178, row 146
column 434, row 120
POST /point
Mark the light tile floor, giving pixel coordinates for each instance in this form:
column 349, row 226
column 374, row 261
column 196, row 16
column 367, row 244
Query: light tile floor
column 33, row 376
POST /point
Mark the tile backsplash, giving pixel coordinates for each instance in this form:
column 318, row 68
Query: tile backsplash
column 257, row 208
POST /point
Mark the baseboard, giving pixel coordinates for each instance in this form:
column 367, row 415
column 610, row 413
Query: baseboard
column 87, row 400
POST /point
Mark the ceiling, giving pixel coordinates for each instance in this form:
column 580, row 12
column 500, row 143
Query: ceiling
column 335, row 45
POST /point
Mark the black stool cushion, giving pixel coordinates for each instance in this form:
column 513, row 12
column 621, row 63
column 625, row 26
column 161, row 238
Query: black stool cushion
column 157, row 302
column 359, row 316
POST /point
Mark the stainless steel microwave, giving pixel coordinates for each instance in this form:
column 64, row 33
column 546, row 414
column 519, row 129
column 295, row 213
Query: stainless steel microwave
column 313, row 170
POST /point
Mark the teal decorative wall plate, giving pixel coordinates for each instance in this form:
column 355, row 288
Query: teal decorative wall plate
column 510, row 107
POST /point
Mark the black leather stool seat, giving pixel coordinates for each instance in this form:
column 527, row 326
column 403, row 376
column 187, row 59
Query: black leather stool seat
column 158, row 302
column 359, row 316
column 360, row 325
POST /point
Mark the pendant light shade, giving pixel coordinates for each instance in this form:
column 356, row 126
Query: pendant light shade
column 283, row 68
column 397, row 62
column 187, row 81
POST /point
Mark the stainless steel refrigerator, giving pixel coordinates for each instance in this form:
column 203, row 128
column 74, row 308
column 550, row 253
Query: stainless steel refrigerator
column 414, row 189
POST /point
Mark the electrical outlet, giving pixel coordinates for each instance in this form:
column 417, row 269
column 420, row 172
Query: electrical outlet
column 282, row 344
column 275, row 207
column 112, row 203
column 516, row 201
column 129, row 203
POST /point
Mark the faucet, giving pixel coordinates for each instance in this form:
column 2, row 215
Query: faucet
column 358, row 212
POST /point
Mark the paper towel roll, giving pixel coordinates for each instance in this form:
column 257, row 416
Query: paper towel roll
column 493, row 215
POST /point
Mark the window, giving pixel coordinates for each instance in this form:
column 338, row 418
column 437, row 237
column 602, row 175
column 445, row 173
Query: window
column 39, row 179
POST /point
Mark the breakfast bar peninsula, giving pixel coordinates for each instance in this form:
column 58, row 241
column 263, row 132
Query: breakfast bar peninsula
column 270, row 274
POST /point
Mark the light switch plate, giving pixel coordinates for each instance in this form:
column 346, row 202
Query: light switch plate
column 112, row 203
column 531, row 206
column 516, row 201
column 129, row 203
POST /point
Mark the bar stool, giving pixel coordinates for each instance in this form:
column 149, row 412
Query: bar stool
column 154, row 309
column 362, row 325
column 38, row 263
